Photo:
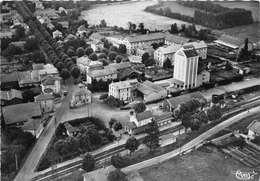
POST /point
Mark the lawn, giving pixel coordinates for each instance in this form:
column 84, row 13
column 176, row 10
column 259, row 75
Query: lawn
column 203, row 164
column 251, row 29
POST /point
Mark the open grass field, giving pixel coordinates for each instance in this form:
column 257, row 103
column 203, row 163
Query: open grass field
column 204, row 164
column 252, row 30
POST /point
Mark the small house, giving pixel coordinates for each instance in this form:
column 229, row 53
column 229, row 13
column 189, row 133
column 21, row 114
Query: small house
column 81, row 96
column 99, row 175
column 56, row 34
column 33, row 126
column 97, row 45
column 254, row 129
column 46, row 102
column 11, row 97
column 167, row 139
column 70, row 130
column 51, row 84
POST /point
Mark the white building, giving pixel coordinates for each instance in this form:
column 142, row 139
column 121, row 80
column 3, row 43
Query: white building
column 186, row 67
column 104, row 74
column 173, row 39
column 33, row 126
column 133, row 42
column 254, row 129
column 56, row 34
column 46, row 102
column 144, row 49
column 162, row 53
column 200, row 47
column 97, row 45
column 51, row 84
column 81, row 96
column 141, row 119
column 124, row 90
column 203, row 77
column 86, row 65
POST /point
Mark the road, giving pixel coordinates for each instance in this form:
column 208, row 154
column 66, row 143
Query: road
column 192, row 143
column 27, row 170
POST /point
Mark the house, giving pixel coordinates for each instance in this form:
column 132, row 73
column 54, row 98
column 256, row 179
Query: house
column 44, row 19
column 134, row 176
column 46, row 12
column 19, row 44
column 11, row 97
column 38, row 5
column 18, row 114
column 203, row 77
column 34, row 126
column 99, row 175
column 161, row 54
column 138, row 66
column 48, row 70
column 6, row 34
column 81, row 96
column 51, row 84
column 242, row 70
column 51, row 26
column 135, row 59
column 144, row 49
column 104, row 74
column 119, row 66
column 124, row 90
column 65, row 24
column 96, row 36
column 46, row 102
column 38, row 66
column 82, row 29
column 172, row 103
column 254, row 129
column 70, row 130
column 167, row 139
column 126, row 74
column 9, row 81
column 86, row 65
column 232, row 43
column 186, row 67
column 28, row 78
column 151, row 92
column 56, row 34
column 133, row 42
column 173, row 39
column 200, row 47
column 16, row 22
column 97, row 45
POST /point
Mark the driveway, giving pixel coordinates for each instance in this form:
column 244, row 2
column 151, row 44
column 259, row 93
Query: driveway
column 27, row 170
column 192, row 143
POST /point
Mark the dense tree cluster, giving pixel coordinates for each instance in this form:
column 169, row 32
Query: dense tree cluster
column 152, row 139
column 113, row 102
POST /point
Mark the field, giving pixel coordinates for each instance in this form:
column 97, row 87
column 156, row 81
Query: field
column 203, row 164
column 132, row 12
column 252, row 30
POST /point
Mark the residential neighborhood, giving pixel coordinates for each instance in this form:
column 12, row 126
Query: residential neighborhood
column 129, row 90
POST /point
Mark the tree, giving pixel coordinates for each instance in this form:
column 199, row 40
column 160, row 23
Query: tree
column 72, row 145
column 94, row 137
column 84, row 144
column 118, row 59
column 31, row 44
column 132, row 144
column 119, row 161
column 141, row 27
column 195, row 124
column 65, row 74
column 118, row 126
column 88, row 51
column 102, row 56
column 112, row 55
column 70, row 64
column 28, row 95
column 122, row 49
column 60, row 66
column 75, row 72
column 113, row 48
column 26, row 60
column 20, row 31
column 145, row 57
column 80, row 52
column 70, row 53
column 139, row 107
column 174, row 28
column 93, row 57
column 228, row 66
column 88, row 162
column 186, row 120
column 152, row 138
column 103, row 23
column 61, row 147
column 203, row 117
column 167, row 63
column 105, row 50
column 116, row 175
column 111, row 122
column 59, row 27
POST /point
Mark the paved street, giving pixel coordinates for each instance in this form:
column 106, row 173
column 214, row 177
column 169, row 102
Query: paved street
column 30, row 164
column 192, row 143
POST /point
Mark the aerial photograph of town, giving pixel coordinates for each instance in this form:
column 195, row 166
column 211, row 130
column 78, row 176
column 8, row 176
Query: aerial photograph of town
column 124, row 90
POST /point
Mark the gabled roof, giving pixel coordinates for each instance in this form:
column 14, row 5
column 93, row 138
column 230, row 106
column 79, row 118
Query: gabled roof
column 146, row 37
column 134, row 176
column 19, row 44
column 96, row 42
column 102, row 72
column 82, row 91
column 175, row 101
column 138, row 65
column 32, row 124
column 83, row 60
column 48, row 71
column 28, row 77
column 148, row 87
column 21, row 112
column 190, row 53
column 96, row 36
column 153, row 86
column 9, row 95
column 43, row 97
column 64, row 23
column 144, row 115
column 254, row 126
column 100, row 174
column 56, row 32
column 50, row 80
column 169, row 49
column 8, row 78
column 37, row 66
column 123, row 84
column 70, row 128
column 119, row 66
column 176, row 39
column 82, row 28
column 197, row 44
column 187, row 51
column 233, row 42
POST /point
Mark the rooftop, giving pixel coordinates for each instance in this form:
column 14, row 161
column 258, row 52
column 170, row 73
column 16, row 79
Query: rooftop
column 9, row 95
column 146, row 37
column 82, row 91
column 82, row 28
column 103, row 72
column 169, row 49
column 8, row 78
column 50, row 80
column 43, row 97
column 148, row 87
column 99, row 175
column 144, row 115
column 32, row 124
column 254, row 126
column 176, row 39
column 187, row 52
column 134, row 176
column 48, row 71
column 69, row 127
column 119, row 66
column 197, row 44
column 231, row 41
column 175, row 101
column 37, row 66
column 21, row 112
column 56, row 32
column 27, row 77
column 83, row 60
column 96, row 36
column 124, row 84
